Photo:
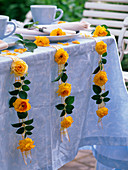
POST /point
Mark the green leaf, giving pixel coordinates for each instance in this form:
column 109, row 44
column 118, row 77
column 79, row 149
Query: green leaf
column 62, row 113
column 92, row 31
column 17, row 84
column 104, row 61
column 58, row 78
column 17, row 125
column 25, row 88
column 64, row 77
column 22, row 78
column 28, row 122
column 20, row 130
column 66, row 64
column 96, row 70
column 104, row 26
column 64, row 70
column 105, row 94
column 109, row 34
column 69, row 109
column 19, row 42
column 30, row 46
column 11, row 101
column 60, row 106
column 99, row 101
column 96, row 97
column 27, row 133
column 22, row 115
column 104, row 55
column 29, row 128
column 97, row 89
column 30, row 25
column 106, row 99
column 27, row 82
column 23, row 95
column 14, row 92
column 69, row 100
column 19, row 36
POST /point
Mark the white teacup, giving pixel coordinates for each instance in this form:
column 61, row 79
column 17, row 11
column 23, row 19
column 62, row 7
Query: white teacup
column 45, row 14
column 4, row 21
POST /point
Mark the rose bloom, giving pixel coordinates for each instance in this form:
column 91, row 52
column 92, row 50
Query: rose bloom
column 100, row 78
column 64, row 89
column 101, row 47
column 21, row 105
column 26, row 144
column 61, row 22
column 100, row 31
column 102, row 112
column 19, row 67
column 42, row 41
column 66, row 122
column 57, row 32
column 61, row 56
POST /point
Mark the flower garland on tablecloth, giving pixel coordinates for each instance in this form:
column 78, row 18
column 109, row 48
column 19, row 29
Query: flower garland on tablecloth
column 64, row 90
column 100, row 77
column 19, row 100
column 21, row 105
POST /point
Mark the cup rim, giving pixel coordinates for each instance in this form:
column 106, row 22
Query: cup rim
column 4, row 17
column 43, row 6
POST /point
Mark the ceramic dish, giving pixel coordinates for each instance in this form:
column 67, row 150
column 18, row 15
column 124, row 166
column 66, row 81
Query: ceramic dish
column 54, row 38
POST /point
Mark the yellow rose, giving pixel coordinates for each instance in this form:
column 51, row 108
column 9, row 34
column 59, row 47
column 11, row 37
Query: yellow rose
column 26, row 144
column 64, row 89
column 57, row 32
column 66, row 122
column 100, row 78
column 61, row 56
column 19, row 67
column 61, row 22
column 42, row 41
column 102, row 112
column 21, row 105
column 100, row 31
column 101, row 47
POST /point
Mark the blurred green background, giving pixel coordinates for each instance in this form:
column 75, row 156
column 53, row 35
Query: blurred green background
column 73, row 10
column 17, row 9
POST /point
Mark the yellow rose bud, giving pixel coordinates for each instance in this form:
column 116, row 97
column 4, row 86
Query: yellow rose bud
column 102, row 112
column 64, row 89
column 19, row 67
column 61, row 56
column 100, row 31
column 21, row 105
column 66, row 122
column 101, row 47
column 57, row 32
column 100, row 78
column 26, row 144
column 42, row 41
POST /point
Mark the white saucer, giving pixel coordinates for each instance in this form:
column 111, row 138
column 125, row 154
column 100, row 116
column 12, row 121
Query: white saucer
column 54, row 38
column 11, row 41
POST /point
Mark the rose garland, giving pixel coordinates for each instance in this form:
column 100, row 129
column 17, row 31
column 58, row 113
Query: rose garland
column 64, row 90
column 100, row 77
column 21, row 105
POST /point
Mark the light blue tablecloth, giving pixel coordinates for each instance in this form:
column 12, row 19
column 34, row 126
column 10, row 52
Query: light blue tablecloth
column 50, row 153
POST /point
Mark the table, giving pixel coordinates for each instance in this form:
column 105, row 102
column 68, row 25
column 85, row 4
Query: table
column 50, row 153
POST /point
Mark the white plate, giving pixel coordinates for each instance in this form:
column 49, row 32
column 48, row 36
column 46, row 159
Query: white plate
column 11, row 41
column 53, row 38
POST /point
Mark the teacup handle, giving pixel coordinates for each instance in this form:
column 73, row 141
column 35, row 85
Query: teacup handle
column 61, row 14
column 11, row 23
